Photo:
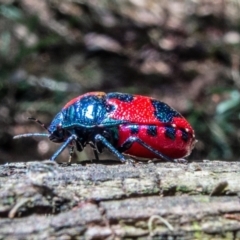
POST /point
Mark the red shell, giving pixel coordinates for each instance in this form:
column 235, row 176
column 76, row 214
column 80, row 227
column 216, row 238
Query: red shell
column 140, row 111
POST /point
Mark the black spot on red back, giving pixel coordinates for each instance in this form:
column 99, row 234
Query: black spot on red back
column 152, row 130
column 87, row 111
column 109, row 108
column 170, row 132
column 185, row 135
column 163, row 112
column 134, row 129
column 124, row 97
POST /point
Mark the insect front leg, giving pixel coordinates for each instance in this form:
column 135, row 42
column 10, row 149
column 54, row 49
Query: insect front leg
column 129, row 142
column 65, row 144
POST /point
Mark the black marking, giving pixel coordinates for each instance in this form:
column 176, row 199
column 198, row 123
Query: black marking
column 110, row 108
column 124, row 97
column 185, row 135
column 134, row 129
column 163, row 112
column 170, row 132
column 88, row 111
column 152, row 130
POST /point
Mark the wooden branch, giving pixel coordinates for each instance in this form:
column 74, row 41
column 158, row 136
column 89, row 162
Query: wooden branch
column 44, row 200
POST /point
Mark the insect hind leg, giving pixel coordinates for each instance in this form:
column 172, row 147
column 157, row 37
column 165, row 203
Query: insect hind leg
column 129, row 142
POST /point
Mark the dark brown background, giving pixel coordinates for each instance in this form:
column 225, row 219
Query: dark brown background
column 185, row 53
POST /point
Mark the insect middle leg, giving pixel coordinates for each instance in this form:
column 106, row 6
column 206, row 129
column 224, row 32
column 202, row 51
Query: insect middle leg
column 107, row 144
column 95, row 151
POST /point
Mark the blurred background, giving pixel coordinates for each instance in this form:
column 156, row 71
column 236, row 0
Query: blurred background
column 185, row 53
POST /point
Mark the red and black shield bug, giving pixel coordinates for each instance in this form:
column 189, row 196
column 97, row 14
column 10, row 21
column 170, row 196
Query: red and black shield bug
column 123, row 123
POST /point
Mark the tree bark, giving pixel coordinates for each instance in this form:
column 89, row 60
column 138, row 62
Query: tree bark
column 43, row 200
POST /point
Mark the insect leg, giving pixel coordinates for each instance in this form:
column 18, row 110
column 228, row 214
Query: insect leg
column 129, row 142
column 71, row 152
column 107, row 144
column 55, row 155
column 95, row 152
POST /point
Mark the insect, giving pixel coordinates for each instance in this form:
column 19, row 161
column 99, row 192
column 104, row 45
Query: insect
column 123, row 123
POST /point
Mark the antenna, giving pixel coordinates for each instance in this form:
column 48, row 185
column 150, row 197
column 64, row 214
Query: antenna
column 39, row 122
column 34, row 134
column 31, row 135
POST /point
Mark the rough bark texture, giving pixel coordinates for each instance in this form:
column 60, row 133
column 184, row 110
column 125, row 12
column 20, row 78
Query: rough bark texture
column 42, row 200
